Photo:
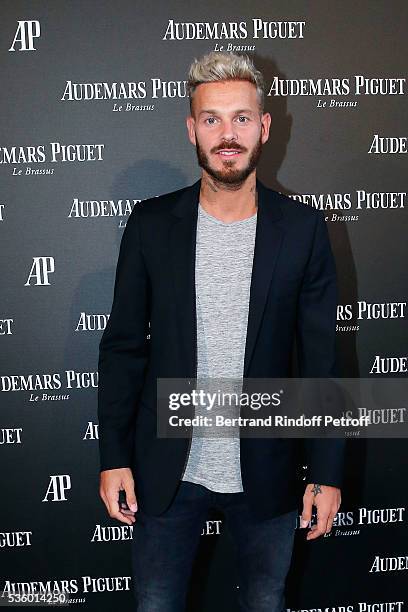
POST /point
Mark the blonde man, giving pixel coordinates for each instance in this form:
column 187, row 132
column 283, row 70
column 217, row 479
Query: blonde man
column 228, row 273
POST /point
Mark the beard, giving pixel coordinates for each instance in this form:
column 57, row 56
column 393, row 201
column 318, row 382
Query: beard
column 230, row 176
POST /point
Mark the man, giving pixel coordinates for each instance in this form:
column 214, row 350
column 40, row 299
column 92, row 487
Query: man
column 228, row 273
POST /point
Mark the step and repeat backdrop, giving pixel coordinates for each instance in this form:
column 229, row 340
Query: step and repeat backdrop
column 93, row 107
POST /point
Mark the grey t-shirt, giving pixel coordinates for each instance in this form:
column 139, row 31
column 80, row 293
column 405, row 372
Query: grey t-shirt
column 224, row 257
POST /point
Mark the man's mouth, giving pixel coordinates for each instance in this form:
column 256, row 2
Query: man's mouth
column 228, row 152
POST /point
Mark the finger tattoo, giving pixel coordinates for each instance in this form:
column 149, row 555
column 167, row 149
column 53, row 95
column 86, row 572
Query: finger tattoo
column 316, row 489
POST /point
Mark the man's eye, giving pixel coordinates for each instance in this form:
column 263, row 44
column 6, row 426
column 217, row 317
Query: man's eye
column 210, row 120
column 242, row 119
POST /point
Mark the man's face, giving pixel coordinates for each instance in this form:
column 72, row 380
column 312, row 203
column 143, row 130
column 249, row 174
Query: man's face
column 227, row 129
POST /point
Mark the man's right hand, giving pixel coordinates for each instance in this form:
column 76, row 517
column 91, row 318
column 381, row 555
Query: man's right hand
column 111, row 482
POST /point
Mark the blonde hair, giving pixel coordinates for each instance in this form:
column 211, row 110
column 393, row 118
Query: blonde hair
column 224, row 66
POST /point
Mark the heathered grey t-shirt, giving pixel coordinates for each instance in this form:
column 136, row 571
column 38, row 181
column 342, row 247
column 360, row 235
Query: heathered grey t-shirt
column 224, row 257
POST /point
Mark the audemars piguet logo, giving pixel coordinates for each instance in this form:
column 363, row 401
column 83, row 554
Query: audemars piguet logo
column 126, row 96
column 120, row 533
column 389, row 564
column 383, row 416
column 357, row 85
column 351, row 522
column 69, row 586
column 6, row 327
column 322, row 88
column 15, row 539
column 91, row 431
column 389, row 365
column 372, row 310
column 91, row 209
column 91, row 322
column 393, row 145
column 10, row 435
column 58, row 486
column 349, row 315
column 361, row 606
column 211, row 527
column 123, row 533
column 52, row 153
column 233, row 30
column 335, row 204
column 130, row 90
column 42, row 386
column 40, row 271
column 26, row 33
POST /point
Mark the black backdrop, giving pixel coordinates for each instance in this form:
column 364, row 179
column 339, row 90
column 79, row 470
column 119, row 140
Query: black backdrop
column 93, row 107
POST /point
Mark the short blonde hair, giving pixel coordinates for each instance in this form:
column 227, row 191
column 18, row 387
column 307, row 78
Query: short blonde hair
column 225, row 66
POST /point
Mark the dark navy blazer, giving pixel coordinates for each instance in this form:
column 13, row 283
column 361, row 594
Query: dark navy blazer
column 293, row 301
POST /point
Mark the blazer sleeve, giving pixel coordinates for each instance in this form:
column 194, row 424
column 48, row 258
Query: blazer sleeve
column 316, row 346
column 123, row 351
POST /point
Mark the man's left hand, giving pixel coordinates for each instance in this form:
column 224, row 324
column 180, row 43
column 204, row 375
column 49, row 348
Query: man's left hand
column 327, row 500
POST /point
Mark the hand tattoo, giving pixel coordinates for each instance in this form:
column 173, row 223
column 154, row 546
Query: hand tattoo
column 316, row 489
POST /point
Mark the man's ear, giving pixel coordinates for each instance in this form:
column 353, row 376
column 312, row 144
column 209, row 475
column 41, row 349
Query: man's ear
column 190, row 122
column 266, row 121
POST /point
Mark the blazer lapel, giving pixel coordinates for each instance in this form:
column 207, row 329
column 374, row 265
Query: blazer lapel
column 268, row 241
column 182, row 252
column 182, row 243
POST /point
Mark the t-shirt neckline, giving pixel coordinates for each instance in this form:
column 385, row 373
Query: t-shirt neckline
column 220, row 222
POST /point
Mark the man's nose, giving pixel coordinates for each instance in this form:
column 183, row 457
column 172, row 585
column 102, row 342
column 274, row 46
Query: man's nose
column 228, row 131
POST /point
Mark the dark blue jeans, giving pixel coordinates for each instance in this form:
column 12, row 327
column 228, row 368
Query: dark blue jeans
column 164, row 547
